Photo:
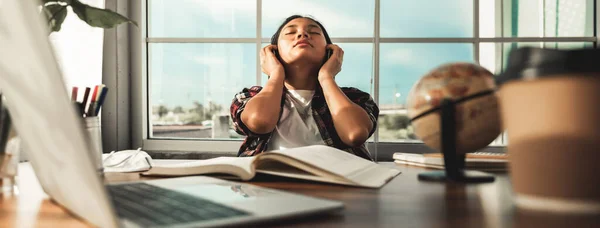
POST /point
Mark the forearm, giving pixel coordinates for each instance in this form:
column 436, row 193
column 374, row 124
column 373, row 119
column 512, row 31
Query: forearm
column 262, row 111
column 352, row 123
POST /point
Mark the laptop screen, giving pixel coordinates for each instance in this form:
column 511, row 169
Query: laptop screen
column 45, row 120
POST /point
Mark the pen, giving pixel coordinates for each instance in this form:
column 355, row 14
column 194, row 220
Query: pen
column 85, row 98
column 74, row 93
column 91, row 108
column 101, row 100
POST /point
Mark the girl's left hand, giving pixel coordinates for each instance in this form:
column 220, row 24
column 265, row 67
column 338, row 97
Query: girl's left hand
column 333, row 65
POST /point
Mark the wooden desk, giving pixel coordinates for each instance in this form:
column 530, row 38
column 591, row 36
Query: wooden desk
column 404, row 202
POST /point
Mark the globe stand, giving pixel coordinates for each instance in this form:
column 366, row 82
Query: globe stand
column 454, row 164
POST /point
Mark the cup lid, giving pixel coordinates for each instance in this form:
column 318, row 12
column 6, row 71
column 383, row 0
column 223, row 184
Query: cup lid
column 529, row 63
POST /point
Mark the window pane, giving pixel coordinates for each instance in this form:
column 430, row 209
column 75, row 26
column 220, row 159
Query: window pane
column 341, row 18
column 193, row 84
column 493, row 56
column 401, row 66
column 202, row 18
column 432, row 18
column 490, row 18
column 357, row 68
column 536, row 18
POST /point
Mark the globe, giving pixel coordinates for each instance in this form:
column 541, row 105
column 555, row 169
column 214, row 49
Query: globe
column 472, row 89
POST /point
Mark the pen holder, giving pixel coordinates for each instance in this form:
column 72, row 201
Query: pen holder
column 92, row 126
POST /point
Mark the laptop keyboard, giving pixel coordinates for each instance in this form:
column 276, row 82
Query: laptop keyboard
column 150, row 205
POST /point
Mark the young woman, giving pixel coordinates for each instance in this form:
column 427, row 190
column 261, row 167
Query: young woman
column 301, row 103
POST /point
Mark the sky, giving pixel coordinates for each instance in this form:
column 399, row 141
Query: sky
column 181, row 73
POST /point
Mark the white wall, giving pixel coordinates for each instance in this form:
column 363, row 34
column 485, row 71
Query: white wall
column 78, row 48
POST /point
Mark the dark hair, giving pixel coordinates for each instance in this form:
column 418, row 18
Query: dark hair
column 275, row 36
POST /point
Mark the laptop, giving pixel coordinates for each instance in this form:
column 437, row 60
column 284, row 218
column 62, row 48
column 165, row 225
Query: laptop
column 59, row 152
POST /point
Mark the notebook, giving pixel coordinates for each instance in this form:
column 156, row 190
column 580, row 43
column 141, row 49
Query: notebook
column 482, row 161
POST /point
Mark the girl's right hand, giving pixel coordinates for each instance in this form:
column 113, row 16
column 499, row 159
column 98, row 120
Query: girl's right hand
column 269, row 62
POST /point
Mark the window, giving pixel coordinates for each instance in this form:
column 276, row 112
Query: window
column 199, row 53
column 193, row 73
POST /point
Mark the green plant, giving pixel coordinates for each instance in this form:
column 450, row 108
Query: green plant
column 55, row 12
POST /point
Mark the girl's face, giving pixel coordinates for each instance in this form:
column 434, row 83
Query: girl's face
column 301, row 40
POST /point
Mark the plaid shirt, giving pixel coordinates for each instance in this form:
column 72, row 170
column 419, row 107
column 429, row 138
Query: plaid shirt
column 255, row 144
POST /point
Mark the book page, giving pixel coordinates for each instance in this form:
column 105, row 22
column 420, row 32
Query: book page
column 278, row 168
column 340, row 163
column 238, row 166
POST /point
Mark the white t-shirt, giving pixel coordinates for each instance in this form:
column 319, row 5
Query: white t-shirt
column 296, row 127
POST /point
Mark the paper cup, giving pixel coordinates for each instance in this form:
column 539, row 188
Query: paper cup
column 550, row 107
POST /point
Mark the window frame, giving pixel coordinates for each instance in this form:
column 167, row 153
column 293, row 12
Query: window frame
column 140, row 87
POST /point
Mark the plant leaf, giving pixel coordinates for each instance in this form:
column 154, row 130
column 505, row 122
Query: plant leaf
column 55, row 14
column 96, row 17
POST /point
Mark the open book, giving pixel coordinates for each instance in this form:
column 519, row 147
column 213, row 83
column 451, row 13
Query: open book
column 316, row 163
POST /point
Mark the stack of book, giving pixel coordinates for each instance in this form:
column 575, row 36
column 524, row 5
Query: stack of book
column 481, row 161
